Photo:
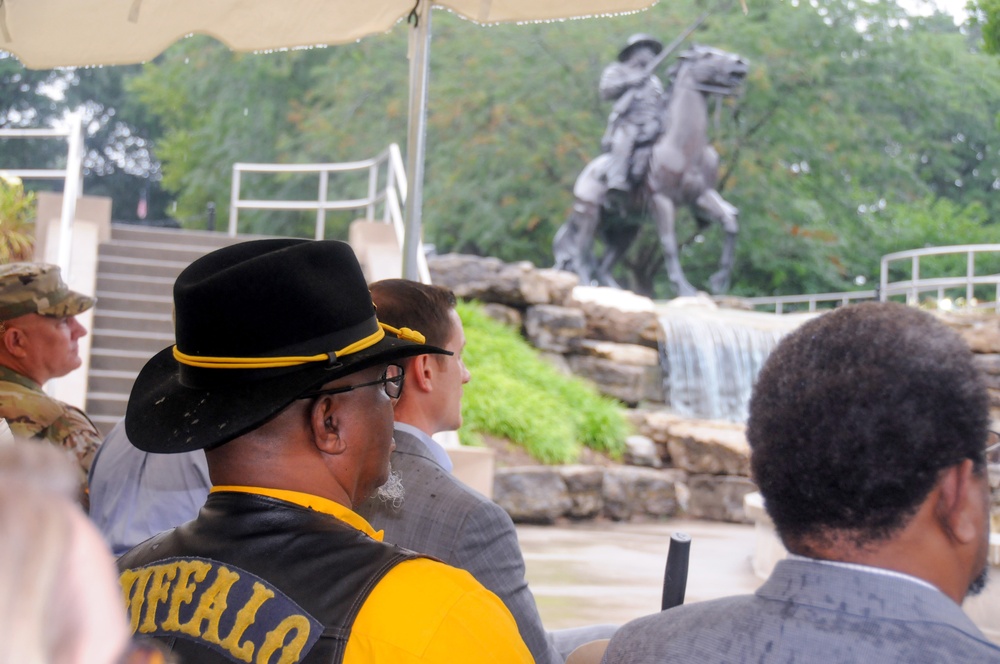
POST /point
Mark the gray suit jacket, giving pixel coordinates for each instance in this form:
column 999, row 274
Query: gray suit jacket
column 443, row 518
column 810, row 612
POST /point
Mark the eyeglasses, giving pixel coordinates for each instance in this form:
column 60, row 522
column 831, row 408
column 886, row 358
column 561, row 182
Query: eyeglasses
column 391, row 381
column 993, row 448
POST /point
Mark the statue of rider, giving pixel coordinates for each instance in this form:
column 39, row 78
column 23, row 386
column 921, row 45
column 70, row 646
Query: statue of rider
column 634, row 123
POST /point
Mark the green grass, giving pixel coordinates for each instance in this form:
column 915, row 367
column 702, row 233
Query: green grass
column 515, row 394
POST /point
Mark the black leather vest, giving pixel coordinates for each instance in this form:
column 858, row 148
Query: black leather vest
column 254, row 579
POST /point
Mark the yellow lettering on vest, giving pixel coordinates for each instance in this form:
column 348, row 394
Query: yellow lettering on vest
column 157, row 591
column 134, row 588
column 183, row 590
column 245, row 618
column 275, row 640
column 211, row 605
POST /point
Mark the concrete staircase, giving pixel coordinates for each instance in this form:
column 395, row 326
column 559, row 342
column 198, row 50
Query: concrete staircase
column 133, row 316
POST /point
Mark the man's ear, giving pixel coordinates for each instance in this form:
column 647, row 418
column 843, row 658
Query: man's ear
column 957, row 500
column 13, row 340
column 325, row 423
column 420, row 373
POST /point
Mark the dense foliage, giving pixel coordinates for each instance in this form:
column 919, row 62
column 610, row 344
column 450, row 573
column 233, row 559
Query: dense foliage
column 117, row 163
column 862, row 131
column 515, row 395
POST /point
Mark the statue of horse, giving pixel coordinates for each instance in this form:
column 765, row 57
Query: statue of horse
column 683, row 171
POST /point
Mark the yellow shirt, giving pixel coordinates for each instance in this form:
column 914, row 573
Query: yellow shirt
column 422, row 611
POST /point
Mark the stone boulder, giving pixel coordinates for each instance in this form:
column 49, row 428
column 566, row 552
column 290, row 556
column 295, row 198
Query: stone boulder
column 719, row 448
column 531, row 494
column 632, row 492
column 501, row 313
column 491, row 280
column 553, row 328
column 718, row 497
column 585, row 485
column 979, row 329
column 629, row 383
column 642, row 451
column 618, row 315
column 633, row 354
column 697, row 446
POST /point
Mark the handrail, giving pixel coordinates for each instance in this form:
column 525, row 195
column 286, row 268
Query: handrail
column 71, row 175
column 392, row 197
column 910, row 288
column 778, row 301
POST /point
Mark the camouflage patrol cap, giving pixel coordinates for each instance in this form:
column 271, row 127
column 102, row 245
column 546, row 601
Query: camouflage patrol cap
column 38, row 288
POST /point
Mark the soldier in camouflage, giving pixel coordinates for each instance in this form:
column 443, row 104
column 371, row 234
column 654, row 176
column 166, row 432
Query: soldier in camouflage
column 38, row 341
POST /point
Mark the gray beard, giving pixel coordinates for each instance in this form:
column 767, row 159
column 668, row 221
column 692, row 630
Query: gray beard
column 392, row 491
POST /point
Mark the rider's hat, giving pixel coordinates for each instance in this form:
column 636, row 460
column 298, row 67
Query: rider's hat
column 638, row 40
column 258, row 324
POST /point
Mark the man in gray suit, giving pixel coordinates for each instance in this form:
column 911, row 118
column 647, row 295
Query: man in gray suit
column 868, row 430
column 439, row 515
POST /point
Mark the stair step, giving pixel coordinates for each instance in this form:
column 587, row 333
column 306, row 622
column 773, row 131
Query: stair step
column 116, row 359
column 136, row 285
column 111, row 382
column 131, row 340
column 137, row 304
column 144, row 267
column 184, row 253
column 208, row 240
column 134, row 322
column 106, row 404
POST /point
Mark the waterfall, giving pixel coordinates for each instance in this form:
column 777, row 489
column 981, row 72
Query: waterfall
column 711, row 358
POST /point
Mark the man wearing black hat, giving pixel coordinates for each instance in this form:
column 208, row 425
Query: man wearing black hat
column 634, row 122
column 284, row 376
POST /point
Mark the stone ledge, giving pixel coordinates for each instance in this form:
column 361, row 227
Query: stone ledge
column 545, row 494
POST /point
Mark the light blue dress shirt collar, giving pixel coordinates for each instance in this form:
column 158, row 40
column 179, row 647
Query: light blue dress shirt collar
column 435, row 449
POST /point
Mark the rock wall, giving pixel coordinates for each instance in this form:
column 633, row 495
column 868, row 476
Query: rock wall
column 674, row 466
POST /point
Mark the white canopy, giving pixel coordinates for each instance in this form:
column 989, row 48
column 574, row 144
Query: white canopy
column 54, row 33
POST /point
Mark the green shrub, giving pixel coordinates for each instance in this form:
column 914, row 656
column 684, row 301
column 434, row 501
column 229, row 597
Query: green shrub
column 514, row 394
column 17, row 217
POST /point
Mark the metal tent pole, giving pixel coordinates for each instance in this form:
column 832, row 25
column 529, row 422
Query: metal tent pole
column 420, row 48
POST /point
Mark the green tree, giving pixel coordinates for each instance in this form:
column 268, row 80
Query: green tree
column 118, row 161
column 856, row 118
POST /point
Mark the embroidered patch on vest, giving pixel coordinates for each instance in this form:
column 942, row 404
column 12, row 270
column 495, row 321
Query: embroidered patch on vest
column 227, row 609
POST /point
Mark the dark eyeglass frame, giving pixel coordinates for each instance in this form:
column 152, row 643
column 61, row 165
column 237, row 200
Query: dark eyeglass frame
column 393, row 385
column 993, row 451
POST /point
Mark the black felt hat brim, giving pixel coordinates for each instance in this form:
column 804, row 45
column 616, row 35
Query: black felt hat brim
column 166, row 417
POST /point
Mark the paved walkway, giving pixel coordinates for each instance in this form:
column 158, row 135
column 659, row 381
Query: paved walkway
column 613, row 572
column 608, row 572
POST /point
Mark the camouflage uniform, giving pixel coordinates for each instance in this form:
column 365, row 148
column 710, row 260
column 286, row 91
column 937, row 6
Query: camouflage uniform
column 33, row 414
column 38, row 288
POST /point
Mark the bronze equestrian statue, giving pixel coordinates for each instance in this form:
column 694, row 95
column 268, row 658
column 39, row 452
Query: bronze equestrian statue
column 679, row 168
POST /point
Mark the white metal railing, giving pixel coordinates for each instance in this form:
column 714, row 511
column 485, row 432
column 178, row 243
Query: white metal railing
column 909, row 288
column 912, row 288
column 72, row 176
column 779, row 301
column 392, row 197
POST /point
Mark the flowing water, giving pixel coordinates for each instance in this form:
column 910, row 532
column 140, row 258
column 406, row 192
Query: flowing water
column 711, row 358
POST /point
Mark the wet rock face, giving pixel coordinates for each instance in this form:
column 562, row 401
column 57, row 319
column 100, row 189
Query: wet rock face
column 683, row 466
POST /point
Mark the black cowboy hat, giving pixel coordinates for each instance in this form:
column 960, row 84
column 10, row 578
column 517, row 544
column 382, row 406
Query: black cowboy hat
column 257, row 325
column 637, row 41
